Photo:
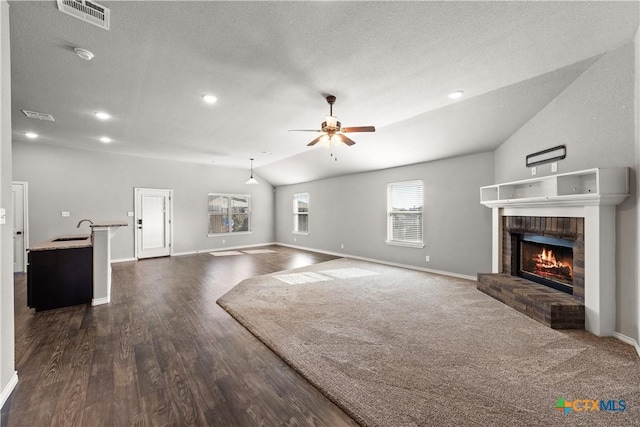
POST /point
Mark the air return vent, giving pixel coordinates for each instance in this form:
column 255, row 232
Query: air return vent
column 39, row 116
column 88, row 11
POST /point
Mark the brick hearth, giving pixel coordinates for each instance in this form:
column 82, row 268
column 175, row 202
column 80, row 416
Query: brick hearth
column 555, row 309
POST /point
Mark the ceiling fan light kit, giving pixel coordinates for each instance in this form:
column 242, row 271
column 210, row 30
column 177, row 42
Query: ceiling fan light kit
column 332, row 130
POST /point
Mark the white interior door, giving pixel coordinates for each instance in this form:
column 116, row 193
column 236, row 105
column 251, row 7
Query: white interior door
column 152, row 222
column 20, row 241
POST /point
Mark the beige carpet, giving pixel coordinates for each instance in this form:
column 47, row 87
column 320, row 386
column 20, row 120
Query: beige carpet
column 399, row 347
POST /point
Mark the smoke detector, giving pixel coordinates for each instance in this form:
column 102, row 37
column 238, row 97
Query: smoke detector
column 83, row 53
column 87, row 11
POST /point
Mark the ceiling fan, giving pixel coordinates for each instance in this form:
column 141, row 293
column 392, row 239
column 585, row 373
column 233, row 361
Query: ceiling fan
column 332, row 131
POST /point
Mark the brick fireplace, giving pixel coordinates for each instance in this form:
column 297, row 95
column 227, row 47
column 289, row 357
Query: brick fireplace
column 579, row 207
column 538, row 299
column 570, row 229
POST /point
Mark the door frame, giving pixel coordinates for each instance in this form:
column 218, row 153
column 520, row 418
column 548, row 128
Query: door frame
column 136, row 214
column 25, row 220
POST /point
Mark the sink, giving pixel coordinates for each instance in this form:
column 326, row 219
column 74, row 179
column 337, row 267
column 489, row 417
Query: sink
column 69, row 239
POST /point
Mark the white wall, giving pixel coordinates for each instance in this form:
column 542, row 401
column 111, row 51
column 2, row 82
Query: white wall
column 100, row 186
column 595, row 118
column 351, row 210
column 7, row 366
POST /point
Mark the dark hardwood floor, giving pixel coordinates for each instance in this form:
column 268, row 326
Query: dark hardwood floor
column 162, row 353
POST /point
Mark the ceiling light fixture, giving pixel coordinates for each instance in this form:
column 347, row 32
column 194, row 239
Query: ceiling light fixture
column 456, row 95
column 105, row 139
column 83, row 53
column 31, row 135
column 251, row 179
column 209, row 99
column 102, row 115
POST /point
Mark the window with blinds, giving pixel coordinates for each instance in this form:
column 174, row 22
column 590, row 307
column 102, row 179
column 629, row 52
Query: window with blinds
column 301, row 213
column 229, row 213
column 404, row 212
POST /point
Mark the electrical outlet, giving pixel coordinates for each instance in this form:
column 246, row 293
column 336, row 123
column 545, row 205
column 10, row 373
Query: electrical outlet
column 554, row 167
column 295, row 240
column 427, row 258
column 65, row 213
column 223, row 241
column 534, row 170
column 342, row 246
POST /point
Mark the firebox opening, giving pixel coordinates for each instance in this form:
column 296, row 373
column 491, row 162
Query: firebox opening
column 546, row 260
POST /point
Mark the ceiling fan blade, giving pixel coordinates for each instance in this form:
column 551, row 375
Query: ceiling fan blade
column 315, row 141
column 359, row 129
column 346, row 140
column 305, row 130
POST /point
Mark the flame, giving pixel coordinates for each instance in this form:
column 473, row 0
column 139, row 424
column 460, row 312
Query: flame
column 546, row 261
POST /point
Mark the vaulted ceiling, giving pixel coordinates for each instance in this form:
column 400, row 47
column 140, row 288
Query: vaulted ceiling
column 270, row 64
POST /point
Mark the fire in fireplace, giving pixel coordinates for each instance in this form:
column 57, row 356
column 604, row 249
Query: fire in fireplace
column 547, row 260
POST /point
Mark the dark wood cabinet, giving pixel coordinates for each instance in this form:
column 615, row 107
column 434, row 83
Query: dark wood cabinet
column 59, row 278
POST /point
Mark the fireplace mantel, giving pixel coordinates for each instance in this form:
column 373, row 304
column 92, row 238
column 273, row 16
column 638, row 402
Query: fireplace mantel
column 590, row 194
column 591, row 187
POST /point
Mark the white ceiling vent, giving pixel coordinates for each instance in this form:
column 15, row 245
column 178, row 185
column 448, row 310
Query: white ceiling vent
column 88, row 11
column 39, row 116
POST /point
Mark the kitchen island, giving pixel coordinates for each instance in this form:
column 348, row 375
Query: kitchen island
column 60, row 272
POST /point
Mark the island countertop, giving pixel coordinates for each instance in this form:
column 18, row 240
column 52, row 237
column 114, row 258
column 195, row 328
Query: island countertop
column 98, row 224
column 72, row 241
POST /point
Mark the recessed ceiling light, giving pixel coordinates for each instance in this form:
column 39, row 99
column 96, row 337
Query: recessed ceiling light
column 456, row 95
column 83, row 53
column 31, row 135
column 105, row 139
column 102, row 115
column 209, row 99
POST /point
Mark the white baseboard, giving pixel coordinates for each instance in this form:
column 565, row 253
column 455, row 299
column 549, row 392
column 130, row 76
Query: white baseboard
column 100, row 301
column 113, row 261
column 6, row 391
column 628, row 340
column 380, row 261
column 226, row 248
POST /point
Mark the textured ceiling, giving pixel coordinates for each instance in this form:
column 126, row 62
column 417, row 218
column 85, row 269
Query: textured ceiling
column 390, row 64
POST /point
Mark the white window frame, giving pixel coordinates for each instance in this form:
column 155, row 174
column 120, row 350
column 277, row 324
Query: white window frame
column 390, row 214
column 297, row 214
column 229, row 214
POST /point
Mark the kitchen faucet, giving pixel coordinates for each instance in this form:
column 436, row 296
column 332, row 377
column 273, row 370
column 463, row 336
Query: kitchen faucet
column 83, row 220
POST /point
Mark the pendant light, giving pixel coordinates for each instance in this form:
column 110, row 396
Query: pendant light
column 251, row 179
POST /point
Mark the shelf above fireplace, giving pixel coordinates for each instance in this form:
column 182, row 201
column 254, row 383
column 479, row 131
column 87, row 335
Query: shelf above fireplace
column 600, row 186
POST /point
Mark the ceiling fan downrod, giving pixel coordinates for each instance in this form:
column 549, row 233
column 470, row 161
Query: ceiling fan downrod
column 331, row 100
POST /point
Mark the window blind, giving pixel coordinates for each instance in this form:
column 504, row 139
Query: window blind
column 405, row 200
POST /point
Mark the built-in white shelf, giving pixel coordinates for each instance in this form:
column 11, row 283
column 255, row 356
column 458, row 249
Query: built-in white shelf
column 587, row 187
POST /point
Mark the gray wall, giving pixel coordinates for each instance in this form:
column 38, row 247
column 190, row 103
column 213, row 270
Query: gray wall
column 595, row 118
column 100, row 186
column 351, row 210
column 7, row 366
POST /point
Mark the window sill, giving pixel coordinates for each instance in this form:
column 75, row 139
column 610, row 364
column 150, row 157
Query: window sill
column 237, row 233
column 418, row 245
column 300, row 233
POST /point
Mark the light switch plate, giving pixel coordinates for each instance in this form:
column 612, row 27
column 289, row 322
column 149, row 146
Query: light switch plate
column 534, row 170
column 65, row 213
column 554, row 167
column 129, row 213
